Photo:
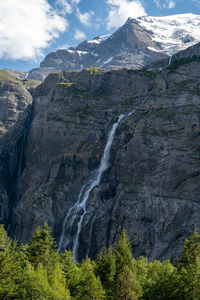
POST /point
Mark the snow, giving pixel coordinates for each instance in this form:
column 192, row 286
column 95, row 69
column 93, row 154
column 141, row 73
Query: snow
column 99, row 39
column 173, row 33
column 107, row 61
column 77, row 51
column 95, row 54
column 153, row 49
column 81, row 52
column 70, row 51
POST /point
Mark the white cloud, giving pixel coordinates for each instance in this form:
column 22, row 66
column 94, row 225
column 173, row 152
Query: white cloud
column 120, row 10
column 171, row 4
column 84, row 18
column 79, row 35
column 157, row 3
column 65, row 6
column 167, row 4
column 27, row 27
column 75, row 1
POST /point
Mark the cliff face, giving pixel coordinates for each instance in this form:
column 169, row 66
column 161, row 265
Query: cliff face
column 151, row 183
column 15, row 102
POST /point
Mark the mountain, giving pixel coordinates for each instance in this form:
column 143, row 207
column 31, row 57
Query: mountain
column 103, row 150
column 136, row 44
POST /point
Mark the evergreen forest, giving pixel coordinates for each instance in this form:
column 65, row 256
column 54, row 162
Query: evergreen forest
column 37, row 271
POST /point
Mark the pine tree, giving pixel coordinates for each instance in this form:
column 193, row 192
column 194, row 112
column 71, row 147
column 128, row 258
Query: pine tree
column 41, row 247
column 71, row 272
column 105, row 268
column 12, row 262
column 89, row 286
column 190, row 253
column 161, row 282
column 57, row 283
column 126, row 283
column 188, row 265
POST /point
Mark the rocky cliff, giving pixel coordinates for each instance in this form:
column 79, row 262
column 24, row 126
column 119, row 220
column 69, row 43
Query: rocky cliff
column 15, row 102
column 150, row 185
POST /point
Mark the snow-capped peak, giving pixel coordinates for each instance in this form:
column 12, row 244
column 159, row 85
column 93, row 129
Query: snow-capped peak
column 99, row 39
column 173, row 33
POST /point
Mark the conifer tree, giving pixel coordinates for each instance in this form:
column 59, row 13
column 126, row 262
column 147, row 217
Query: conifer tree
column 89, row 286
column 126, row 283
column 105, row 268
column 11, row 268
column 161, row 282
column 190, row 253
column 188, row 265
column 71, row 271
column 41, row 247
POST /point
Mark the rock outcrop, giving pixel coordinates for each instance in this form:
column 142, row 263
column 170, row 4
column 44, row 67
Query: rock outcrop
column 151, row 184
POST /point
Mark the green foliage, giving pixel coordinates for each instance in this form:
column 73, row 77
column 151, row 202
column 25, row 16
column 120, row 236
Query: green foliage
column 41, row 246
column 142, row 72
column 126, row 284
column 94, row 70
column 67, row 84
column 190, row 254
column 161, row 281
column 38, row 271
column 105, row 268
column 188, row 265
column 7, row 77
column 89, row 286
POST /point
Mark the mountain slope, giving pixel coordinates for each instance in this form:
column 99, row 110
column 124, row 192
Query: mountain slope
column 134, row 45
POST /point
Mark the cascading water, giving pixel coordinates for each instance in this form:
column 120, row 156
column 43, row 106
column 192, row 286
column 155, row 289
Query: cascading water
column 18, row 172
column 170, row 59
column 78, row 211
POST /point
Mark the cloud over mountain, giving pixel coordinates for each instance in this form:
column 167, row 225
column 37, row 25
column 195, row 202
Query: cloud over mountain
column 120, row 10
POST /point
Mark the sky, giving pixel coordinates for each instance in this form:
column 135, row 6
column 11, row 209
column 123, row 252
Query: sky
column 30, row 29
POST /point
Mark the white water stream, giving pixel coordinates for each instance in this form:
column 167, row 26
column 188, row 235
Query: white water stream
column 78, row 211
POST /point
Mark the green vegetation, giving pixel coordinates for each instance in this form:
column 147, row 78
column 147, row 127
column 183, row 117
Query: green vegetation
column 183, row 61
column 142, row 72
column 68, row 84
column 38, row 271
column 7, row 77
column 30, row 83
column 94, row 70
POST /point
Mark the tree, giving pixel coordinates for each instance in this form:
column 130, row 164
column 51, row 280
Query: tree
column 105, row 268
column 188, row 265
column 41, row 248
column 190, row 253
column 161, row 282
column 126, row 283
column 89, row 286
column 71, row 272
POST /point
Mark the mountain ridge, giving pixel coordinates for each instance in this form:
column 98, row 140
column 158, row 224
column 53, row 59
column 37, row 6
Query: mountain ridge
column 134, row 45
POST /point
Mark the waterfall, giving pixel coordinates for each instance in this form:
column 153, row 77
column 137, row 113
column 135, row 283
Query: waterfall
column 78, row 211
column 18, row 172
column 170, row 59
column 90, row 233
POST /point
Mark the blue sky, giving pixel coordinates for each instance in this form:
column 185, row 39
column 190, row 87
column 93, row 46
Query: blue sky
column 30, row 29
